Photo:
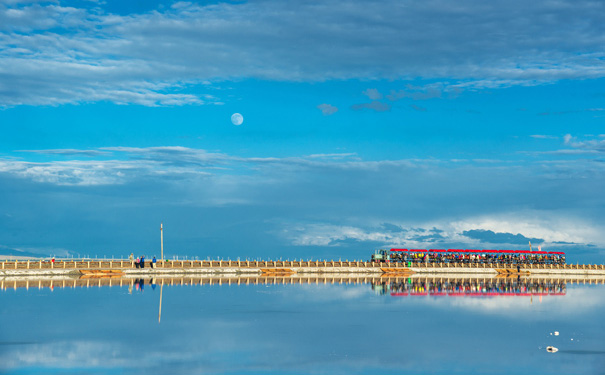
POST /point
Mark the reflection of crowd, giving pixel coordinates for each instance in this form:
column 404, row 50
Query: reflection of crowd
column 139, row 285
column 422, row 257
column 470, row 287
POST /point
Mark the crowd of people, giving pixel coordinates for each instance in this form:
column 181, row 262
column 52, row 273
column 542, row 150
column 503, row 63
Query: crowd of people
column 139, row 262
column 484, row 258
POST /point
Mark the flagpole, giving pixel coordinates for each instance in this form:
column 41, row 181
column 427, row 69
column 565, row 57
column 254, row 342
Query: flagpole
column 162, row 241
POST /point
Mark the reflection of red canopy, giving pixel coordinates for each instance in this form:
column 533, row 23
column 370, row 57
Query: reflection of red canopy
column 437, row 250
column 475, row 294
column 399, row 249
column 418, row 250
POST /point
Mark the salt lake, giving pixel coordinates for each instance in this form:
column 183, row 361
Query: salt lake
column 374, row 326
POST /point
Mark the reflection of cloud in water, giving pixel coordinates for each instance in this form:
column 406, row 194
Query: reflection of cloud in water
column 583, row 352
column 338, row 329
column 576, row 300
column 85, row 354
column 330, row 292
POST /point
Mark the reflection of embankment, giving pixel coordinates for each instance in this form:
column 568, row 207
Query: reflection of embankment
column 435, row 285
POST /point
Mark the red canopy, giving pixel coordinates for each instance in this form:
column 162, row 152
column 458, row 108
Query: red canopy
column 454, row 250
column 399, row 249
column 418, row 250
column 437, row 250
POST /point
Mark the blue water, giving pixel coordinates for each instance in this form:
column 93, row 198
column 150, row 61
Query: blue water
column 297, row 329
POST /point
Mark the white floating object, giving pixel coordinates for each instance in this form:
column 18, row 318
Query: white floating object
column 556, row 333
column 551, row 349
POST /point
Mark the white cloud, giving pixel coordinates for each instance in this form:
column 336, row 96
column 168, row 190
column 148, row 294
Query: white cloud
column 375, row 106
column 69, row 55
column 549, row 227
column 552, row 228
column 590, row 145
column 373, row 94
column 327, row 109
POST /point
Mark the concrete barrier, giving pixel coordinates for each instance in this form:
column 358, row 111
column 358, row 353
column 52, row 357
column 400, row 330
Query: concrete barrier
column 67, row 267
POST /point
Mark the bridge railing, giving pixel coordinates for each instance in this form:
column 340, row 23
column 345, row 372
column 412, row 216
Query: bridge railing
column 127, row 264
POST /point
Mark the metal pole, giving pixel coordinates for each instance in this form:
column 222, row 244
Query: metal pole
column 160, row 311
column 162, row 240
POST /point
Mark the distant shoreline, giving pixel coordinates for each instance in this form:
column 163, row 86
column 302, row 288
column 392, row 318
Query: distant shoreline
column 22, row 257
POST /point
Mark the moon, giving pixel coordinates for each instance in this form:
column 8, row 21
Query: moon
column 237, row 119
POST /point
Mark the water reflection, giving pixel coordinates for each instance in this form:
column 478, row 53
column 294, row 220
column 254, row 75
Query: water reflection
column 468, row 287
column 300, row 324
column 414, row 285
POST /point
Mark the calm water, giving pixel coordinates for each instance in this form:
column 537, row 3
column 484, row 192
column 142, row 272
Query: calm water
column 300, row 329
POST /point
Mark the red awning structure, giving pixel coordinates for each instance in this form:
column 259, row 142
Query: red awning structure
column 481, row 251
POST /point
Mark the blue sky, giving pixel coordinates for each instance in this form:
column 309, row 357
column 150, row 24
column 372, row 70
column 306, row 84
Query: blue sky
column 415, row 124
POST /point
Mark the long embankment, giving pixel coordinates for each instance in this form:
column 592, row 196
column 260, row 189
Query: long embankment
column 318, row 267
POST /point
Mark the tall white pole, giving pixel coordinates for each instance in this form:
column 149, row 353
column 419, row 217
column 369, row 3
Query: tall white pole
column 162, row 240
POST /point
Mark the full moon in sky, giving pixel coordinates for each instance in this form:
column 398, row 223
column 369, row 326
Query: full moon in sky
column 237, row 119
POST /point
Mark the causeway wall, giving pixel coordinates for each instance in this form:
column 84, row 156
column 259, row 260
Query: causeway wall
column 238, row 268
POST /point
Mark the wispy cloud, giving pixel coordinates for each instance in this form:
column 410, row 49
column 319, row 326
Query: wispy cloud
column 327, row 109
column 68, row 152
column 74, row 55
column 373, row 94
column 375, row 106
column 329, row 200
column 418, row 108
column 589, row 145
column 511, row 229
